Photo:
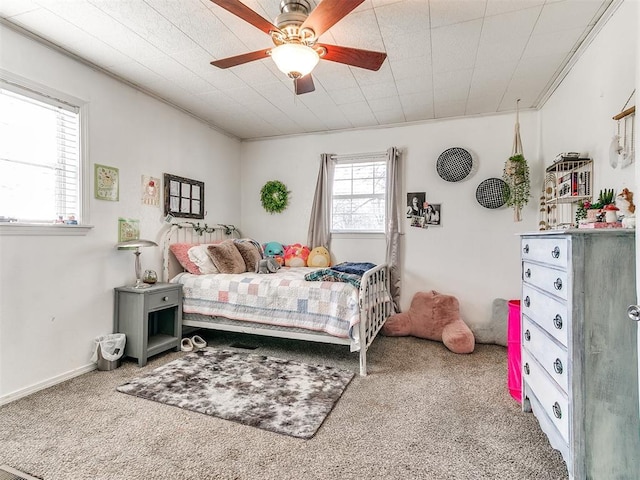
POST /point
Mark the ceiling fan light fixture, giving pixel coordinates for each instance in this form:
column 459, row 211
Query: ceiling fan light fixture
column 294, row 59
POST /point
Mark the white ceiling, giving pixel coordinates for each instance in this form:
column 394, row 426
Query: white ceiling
column 446, row 58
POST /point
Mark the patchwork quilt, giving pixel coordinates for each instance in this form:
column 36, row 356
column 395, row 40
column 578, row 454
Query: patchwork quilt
column 283, row 298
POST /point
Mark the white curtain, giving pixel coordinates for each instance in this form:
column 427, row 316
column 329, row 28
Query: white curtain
column 392, row 229
column 319, row 231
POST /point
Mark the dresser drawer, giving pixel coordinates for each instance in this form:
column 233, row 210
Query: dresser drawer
column 552, row 251
column 552, row 400
column 549, row 313
column 547, row 279
column 163, row 299
column 552, row 357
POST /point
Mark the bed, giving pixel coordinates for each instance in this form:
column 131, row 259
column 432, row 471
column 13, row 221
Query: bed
column 282, row 304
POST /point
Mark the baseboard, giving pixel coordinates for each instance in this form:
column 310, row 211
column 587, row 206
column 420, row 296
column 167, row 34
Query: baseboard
column 10, row 397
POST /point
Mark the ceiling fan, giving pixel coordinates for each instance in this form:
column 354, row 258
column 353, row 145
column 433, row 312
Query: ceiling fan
column 295, row 36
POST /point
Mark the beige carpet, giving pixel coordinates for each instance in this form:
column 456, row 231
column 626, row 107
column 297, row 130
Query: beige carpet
column 422, row 413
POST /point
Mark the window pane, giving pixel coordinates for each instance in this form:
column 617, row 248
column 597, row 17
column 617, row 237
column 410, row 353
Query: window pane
column 359, row 197
column 39, row 159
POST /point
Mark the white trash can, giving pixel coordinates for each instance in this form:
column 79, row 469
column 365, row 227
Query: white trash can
column 109, row 350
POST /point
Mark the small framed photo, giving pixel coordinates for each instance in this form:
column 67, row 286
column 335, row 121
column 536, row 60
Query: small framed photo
column 128, row 229
column 433, row 214
column 150, row 191
column 415, row 204
column 106, row 181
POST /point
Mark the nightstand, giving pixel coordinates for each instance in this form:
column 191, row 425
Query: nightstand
column 151, row 318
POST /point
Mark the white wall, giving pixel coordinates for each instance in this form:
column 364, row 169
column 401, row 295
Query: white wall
column 578, row 117
column 57, row 292
column 474, row 255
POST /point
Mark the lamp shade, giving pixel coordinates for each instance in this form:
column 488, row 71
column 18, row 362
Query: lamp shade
column 131, row 244
column 294, row 59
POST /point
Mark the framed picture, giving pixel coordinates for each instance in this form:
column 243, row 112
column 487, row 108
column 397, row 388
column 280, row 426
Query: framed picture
column 183, row 197
column 415, row 204
column 106, row 183
column 128, row 229
column 433, row 214
column 150, row 191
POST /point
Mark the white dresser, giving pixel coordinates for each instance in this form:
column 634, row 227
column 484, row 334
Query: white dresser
column 579, row 354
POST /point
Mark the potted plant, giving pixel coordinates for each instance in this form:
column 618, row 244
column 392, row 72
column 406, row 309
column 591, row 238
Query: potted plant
column 594, row 212
column 516, row 176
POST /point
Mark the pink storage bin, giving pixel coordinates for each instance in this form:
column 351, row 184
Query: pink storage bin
column 514, row 355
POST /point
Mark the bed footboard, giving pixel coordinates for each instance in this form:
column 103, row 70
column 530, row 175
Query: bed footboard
column 375, row 308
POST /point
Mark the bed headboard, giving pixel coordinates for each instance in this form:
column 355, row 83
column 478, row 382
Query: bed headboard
column 188, row 232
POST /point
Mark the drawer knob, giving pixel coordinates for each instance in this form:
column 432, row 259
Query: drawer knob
column 526, row 248
column 527, row 301
column 527, row 273
column 526, row 368
column 555, row 253
column 557, row 411
column 165, row 299
column 557, row 322
column 557, row 366
column 527, row 335
column 558, row 284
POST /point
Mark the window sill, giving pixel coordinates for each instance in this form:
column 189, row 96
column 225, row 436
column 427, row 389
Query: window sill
column 357, row 235
column 29, row 229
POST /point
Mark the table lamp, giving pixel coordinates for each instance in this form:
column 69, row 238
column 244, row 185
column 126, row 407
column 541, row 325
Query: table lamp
column 135, row 246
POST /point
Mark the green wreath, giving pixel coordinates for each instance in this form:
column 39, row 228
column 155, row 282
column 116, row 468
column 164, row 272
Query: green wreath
column 274, row 196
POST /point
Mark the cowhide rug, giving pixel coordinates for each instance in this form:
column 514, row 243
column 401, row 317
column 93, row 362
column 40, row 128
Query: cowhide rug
column 281, row 396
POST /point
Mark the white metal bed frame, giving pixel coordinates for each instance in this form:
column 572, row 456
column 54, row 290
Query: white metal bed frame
column 374, row 299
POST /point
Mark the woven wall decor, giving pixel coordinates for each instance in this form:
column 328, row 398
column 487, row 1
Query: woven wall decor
column 454, row 164
column 492, row 193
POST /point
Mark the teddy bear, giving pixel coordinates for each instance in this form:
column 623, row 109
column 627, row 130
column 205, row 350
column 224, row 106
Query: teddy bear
column 434, row 316
column 275, row 250
column 319, row 257
column 267, row 265
column 296, row 255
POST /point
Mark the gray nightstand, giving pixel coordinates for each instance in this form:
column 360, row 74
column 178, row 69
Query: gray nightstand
column 151, row 318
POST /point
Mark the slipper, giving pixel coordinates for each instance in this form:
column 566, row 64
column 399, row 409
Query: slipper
column 198, row 342
column 186, row 345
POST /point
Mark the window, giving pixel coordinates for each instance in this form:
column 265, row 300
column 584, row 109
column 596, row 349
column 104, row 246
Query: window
column 40, row 158
column 358, row 198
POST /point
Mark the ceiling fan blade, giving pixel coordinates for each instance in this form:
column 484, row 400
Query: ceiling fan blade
column 304, row 84
column 240, row 59
column 353, row 56
column 328, row 13
column 239, row 9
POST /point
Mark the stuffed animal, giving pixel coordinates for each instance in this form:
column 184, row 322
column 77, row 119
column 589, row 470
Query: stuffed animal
column 296, row 255
column 433, row 316
column 268, row 265
column 624, row 202
column 275, row 250
column 319, row 257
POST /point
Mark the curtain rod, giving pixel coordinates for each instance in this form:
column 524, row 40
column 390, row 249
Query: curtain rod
column 357, row 155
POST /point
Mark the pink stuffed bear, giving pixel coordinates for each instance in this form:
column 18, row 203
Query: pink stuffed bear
column 296, row 255
column 433, row 316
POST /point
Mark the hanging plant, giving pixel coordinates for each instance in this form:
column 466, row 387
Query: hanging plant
column 516, row 175
column 274, row 196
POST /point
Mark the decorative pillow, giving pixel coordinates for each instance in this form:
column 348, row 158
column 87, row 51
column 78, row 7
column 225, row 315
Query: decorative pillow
column 250, row 254
column 226, row 257
column 181, row 252
column 200, row 257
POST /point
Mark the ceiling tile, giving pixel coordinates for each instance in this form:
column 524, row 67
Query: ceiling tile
column 566, row 15
column 562, row 42
column 9, row 8
column 379, row 90
column 449, row 12
column 443, row 109
column 401, row 19
column 384, row 104
column 455, row 47
column 497, row 7
column 346, row 95
column 508, row 26
column 452, row 85
column 390, row 117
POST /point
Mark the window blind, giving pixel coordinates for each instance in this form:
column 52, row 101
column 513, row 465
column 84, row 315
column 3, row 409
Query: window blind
column 39, row 158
